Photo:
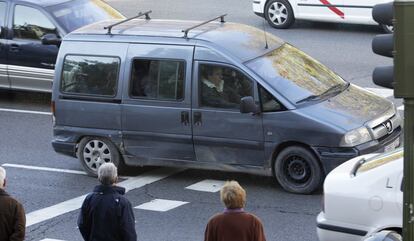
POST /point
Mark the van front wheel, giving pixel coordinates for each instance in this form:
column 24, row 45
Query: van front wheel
column 297, row 170
column 95, row 151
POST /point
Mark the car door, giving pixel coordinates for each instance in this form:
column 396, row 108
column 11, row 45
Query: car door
column 4, row 80
column 361, row 11
column 31, row 64
column 221, row 134
column 322, row 10
column 157, row 104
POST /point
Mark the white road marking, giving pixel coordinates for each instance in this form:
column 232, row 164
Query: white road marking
column 49, row 169
column 207, row 185
column 160, row 205
column 382, row 92
column 26, row 111
column 400, row 107
column 75, row 203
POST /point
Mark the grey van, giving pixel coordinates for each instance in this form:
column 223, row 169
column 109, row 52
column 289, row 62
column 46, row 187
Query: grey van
column 216, row 96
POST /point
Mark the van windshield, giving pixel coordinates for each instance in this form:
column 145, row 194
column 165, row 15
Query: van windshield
column 72, row 15
column 296, row 75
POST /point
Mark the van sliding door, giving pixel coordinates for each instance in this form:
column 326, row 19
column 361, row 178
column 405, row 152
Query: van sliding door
column 157, row 104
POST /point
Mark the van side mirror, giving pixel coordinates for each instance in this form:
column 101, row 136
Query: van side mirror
column 51, row 39
column 247, row 105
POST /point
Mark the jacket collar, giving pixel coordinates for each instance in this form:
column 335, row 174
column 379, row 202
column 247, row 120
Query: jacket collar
column 106, row 189
column 3, row 192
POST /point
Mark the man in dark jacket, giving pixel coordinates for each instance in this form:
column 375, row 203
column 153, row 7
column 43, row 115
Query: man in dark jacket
column 214, row 91
column 106, row 215
column 12, row 217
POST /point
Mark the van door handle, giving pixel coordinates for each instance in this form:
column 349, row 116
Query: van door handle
column 197, row 119
column 185, row 118
column 14, row 48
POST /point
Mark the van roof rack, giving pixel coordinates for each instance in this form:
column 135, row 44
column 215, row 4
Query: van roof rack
column 185, row 31
column 147, row 17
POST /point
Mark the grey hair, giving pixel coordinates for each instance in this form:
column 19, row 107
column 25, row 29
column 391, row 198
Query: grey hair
column 107, row 173
column 2, row 176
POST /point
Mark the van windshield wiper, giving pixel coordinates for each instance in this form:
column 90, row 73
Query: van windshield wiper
column 309, row 98
column 334, row 89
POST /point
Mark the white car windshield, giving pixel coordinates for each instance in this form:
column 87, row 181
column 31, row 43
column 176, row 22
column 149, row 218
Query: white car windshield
column 298, row 76
column 75, row 14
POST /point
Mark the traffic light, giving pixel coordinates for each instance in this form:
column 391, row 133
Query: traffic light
column 384, row 44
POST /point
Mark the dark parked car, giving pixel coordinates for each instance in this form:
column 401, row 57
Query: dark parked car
column 27, row 28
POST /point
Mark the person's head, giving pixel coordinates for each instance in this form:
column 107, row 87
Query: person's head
column 213, row 74
column 108, row 174
column 2, row 178
column 233, row 195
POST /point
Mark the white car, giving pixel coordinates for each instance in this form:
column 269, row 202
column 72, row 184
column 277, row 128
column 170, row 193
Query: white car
column 362, row 196
column 282, row 13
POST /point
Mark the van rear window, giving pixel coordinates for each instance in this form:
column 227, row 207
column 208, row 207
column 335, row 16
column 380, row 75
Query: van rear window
column 90, row 75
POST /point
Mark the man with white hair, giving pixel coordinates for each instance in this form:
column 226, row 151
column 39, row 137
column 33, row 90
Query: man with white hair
column 12, row 217
column 106, row 215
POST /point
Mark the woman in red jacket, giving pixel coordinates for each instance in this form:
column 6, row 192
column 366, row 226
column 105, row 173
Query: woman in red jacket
column 234, row 224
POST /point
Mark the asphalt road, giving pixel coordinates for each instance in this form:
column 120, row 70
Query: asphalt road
column 25, row 140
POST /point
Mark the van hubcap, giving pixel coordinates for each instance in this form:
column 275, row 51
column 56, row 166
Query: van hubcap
column 297, row 169
column 278, row 13
column 95, row 154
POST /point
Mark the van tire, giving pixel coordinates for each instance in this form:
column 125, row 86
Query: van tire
column 279, row 14
column 297, row 170
column 94, row 151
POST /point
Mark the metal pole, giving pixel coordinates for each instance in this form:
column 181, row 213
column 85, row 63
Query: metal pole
column 408, row 209
column 404, row 87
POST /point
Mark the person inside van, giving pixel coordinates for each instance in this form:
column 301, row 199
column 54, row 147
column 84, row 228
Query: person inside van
column 214, row 91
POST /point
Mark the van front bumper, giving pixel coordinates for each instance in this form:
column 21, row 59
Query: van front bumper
column 332, row 157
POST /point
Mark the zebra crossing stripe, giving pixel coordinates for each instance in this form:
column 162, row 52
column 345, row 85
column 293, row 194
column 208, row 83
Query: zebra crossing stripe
column 160, row 205
column 207, row 186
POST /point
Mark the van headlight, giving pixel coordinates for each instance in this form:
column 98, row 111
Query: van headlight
column 356, row 137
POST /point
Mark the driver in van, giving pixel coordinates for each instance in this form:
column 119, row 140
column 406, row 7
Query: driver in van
column 214, row 92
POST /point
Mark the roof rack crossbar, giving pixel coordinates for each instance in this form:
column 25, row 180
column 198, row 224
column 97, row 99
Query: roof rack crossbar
column 185, row 31
column 147, row 17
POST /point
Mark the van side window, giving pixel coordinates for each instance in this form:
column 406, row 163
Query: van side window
column 90, row 75
column 268, row 101
column 222, row 86
column 157, row 79
column 2, row 15
column 30, row 23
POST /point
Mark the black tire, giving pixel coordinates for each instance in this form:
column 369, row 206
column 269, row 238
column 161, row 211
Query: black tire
column 387, row 28
column 101, row 150
column 297, row 170
column 279, row 14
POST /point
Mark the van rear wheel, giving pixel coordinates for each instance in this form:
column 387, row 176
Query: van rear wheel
column 95, row 151
column 297, row 170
